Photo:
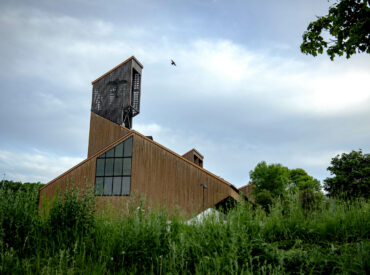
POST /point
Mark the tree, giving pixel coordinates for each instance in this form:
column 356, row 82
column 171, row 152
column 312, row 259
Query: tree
column 351, row 176
column 273, row 177
column 300, row 180
column 348, row 21
column 275, row 180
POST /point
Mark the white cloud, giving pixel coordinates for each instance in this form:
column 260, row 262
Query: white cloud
column 69, row 50
column 148, row 129
column 34, row 166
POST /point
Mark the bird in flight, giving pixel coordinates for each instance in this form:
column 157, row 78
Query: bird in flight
column 173, row 63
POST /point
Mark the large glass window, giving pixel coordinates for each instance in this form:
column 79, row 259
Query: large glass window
column 113, row 171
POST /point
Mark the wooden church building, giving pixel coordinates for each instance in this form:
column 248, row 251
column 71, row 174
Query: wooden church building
column 122, row 163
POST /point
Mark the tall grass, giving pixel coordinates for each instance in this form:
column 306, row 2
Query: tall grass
column 332, row 238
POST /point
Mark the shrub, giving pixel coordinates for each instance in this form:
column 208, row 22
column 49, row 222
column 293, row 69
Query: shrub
column 19, row 219
column 71, row 216
column 309, row 199
column 264, row 198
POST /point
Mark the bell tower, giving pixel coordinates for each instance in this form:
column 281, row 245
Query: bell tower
column 116, row 99
column 116, row 94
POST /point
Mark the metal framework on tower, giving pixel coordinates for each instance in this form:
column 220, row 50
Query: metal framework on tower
column 116, row 94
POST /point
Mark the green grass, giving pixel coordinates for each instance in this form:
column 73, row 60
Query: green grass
column 70, row 239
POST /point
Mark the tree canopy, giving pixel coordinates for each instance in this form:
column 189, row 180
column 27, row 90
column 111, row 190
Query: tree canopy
column 348, row 22
column 272, row 177
column 274, row 180
column 351, row 176
column 302, row 181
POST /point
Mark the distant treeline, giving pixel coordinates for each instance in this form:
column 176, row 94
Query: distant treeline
column 17, row 185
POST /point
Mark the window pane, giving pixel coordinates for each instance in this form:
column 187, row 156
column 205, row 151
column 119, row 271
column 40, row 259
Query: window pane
column 99, row 186
column 126, row 182
column 117, row 186
column 108, row 186
column 109, row 167
column 118, row 166
column 119, row 150
column 100, row 167
column 110, row 153
column 127, row 152
column 101, row 156
column 127, row 166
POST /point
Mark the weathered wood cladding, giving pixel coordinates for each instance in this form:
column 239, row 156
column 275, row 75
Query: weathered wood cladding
column 80, row 176
column 137, row 64
column 158, row 174
column 168, row 179
column 116, row 94
column 247, row 191
column 194, row 156
column 102, row 133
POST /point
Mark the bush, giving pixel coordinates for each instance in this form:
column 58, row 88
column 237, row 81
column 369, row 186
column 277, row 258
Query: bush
column 71, row 216
column 264, row 198
column 309, row 199
column 332, row 238
column 19, row 220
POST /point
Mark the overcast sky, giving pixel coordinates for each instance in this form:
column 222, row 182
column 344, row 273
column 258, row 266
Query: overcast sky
column 241, row 91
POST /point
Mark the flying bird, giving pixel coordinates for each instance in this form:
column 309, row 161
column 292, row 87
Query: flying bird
column 173, row 63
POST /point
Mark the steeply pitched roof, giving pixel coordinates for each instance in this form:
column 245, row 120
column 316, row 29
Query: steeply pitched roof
column 195, row 152
column 131, row 132
column 119, row 65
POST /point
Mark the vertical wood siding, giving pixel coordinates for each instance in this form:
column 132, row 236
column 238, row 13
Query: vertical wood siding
column 102, row 133
column 167, row 179
column 163, row 177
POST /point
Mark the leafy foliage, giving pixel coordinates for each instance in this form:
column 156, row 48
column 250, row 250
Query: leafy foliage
column 274, row 180
column 264, row 199
column 351, row 176
column 71, row 216
column 302, row 181
column 332, row 238
column 273, row 177
column 18, row 216
column 348, row 21
column 15, row 186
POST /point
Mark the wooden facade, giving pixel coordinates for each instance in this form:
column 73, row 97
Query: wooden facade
column 160, row 175
column 247, row 191
column 194, row 156
column 103, row 133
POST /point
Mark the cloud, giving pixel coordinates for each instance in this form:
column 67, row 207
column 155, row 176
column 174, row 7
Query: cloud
column 34, row 166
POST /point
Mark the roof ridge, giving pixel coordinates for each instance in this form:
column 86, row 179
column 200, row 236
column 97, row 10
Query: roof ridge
column 195, row 151
column 188, row 161
column 87, row 159
column 116, row 67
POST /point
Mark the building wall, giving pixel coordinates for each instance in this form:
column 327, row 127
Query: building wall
column 102, row 133
column 163, row 177
column 247, row 191
column 80, row 176
column 194, row 156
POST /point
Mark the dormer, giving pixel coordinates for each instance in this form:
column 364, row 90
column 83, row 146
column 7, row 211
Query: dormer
column 194, row 156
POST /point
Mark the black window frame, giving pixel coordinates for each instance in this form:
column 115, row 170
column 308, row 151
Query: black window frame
column 108, row 156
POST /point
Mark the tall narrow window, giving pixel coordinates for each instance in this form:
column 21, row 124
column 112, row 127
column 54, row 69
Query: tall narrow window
column 135, row 92
column 113, row 171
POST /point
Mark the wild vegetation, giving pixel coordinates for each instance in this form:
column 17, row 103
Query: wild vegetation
column 70, row 238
